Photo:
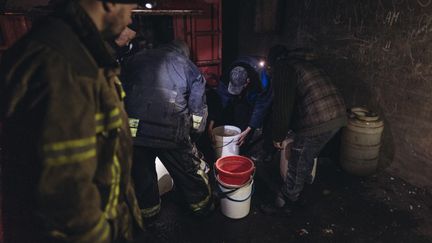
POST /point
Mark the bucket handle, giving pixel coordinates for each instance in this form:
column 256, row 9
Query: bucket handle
column 230, row 142
column 221, row 194
column 250, row 195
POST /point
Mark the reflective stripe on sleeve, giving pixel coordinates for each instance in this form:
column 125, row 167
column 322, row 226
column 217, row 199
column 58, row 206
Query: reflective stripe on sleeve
column 99, row 233
column 111, row 207
column 133, row 125
column 107, row 122
column 196, row 121
column 200, row 205
column 71, row 151
column 150, row 212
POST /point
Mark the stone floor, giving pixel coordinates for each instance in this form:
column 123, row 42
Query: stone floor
column 340, row 208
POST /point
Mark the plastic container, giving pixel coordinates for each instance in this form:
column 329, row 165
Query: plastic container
column 361, row 142
column 226, row 138
column 165, row 181
column 235, row 169
column 236, row 203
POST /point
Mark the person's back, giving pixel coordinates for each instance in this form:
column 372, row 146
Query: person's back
column 163, row 92
column 308, row 102
column 308, row 110
column 320, row 106
column 66, row 149
column 165, row 100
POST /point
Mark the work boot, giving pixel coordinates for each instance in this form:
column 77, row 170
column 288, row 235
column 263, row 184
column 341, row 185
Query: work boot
column 272, row 209
column 283, row 206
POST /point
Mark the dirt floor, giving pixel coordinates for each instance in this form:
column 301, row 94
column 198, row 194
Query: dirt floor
column 339, row 208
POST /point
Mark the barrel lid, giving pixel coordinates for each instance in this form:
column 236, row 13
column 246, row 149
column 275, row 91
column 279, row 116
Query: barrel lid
column 363, row 114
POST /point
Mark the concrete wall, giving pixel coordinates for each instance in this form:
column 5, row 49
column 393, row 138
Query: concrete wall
column 379, row 53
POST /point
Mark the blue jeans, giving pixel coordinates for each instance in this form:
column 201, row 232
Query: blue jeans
column 303, row 152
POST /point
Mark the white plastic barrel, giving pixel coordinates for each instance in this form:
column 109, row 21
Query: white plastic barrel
column 236, row 205
column 165, row 182
column 226, row 138
column 361, row 142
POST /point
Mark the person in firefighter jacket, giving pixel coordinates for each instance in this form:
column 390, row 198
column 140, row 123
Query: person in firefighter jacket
column 66, row 144
column 165, row 100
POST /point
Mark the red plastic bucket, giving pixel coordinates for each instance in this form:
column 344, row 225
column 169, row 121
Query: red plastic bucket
column 235, row 169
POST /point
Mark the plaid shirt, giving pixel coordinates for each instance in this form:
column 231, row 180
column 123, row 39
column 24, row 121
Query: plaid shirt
column 309, row 105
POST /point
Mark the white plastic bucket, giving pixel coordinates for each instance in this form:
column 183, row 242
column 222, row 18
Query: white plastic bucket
column 236, row 204
column 165, row 182
column 226, row 138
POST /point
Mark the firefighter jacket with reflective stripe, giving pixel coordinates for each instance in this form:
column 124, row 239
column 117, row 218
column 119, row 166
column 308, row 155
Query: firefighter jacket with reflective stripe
column 165, row 97
column 66, row 143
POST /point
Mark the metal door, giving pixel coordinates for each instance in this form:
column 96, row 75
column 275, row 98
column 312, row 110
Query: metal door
column 203, row 33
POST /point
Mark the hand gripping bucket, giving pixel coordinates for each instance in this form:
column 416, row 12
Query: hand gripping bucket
column 226, row 138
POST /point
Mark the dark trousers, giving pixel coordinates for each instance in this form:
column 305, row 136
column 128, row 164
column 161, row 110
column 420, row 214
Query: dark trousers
column 303, row 152
column 183, row 164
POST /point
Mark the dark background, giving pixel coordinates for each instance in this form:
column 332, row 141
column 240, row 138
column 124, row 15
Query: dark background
column 378, row 53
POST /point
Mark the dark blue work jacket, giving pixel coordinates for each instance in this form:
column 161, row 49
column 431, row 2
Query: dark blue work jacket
column 250, row 107
column 165, row 92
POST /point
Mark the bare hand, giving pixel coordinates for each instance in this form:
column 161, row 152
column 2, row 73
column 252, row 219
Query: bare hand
column 243, row 135
column 210, row 132
column 278, row 145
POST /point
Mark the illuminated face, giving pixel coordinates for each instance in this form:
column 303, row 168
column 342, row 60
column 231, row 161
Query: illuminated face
column 117, row 18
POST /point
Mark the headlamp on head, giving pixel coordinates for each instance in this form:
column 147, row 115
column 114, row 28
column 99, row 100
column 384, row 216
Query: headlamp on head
column 142, row 3
column 149, row 4
column 262, row 63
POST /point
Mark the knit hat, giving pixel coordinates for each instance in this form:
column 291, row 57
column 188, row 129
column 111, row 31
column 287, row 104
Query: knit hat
column 238, row 79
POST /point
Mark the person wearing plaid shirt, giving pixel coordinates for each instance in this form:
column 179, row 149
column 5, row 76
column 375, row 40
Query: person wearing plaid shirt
column 307, row 105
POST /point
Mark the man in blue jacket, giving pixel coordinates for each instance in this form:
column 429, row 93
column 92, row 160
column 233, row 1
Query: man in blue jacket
column 243, row 99
column 165, row 100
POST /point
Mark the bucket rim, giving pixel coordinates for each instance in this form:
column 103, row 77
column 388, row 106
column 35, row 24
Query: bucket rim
column 223, row 127
column 252, row 168
column 232, row 186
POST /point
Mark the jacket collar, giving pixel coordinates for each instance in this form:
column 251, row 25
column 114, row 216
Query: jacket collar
column 75, row 16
